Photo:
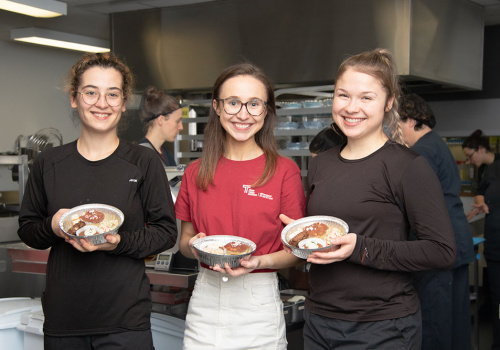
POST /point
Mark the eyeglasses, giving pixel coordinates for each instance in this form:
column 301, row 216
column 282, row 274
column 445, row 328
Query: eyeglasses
column 91, row 96
column 468, row 157
column 233, row 106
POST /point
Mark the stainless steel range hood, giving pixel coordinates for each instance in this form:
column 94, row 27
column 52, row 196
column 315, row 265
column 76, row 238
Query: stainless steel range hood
column 438, row 45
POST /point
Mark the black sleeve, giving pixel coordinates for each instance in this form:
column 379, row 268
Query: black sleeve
column 160, row 230
column 35, row 227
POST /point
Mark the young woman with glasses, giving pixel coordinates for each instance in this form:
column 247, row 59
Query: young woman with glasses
column 239, row 187
column 97, row 295
column 162, row 116
column 361, row 296
column 477, row 149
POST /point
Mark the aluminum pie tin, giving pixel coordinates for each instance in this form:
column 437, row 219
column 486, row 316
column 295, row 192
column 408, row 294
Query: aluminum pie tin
column 217, row 259
column 295, row 227
column 110, row 213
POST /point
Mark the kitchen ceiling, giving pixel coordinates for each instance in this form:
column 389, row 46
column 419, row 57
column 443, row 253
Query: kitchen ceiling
column 492, row 7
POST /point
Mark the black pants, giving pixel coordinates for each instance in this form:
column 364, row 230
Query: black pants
column 324, row 333
column 494, row 282
column 133, row 340
column 445, row 305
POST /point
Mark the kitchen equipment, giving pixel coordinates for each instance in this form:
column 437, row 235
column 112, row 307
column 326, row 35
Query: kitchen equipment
column 42, row 139
column 293, row 305
column 32, row 327
column 11, row 310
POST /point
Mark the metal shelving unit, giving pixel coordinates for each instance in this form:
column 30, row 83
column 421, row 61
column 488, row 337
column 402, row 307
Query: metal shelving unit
column 184, row 149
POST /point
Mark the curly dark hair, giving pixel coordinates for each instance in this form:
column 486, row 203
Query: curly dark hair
column 414, row 107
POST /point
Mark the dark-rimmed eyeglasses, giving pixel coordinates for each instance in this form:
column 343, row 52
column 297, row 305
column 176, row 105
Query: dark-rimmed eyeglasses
column 468, row 157
column 233, row 106
column 91, row 96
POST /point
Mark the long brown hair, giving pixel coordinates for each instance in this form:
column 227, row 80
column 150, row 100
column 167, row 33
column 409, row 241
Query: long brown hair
column 379, row 63
column 214, row 135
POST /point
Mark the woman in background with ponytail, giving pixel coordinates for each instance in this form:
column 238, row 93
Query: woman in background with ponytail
column 162, row 115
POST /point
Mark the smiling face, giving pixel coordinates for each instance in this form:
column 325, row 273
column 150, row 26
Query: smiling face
column 171, row 125
column 99, row 117
column 241, row 126
column 359, row 105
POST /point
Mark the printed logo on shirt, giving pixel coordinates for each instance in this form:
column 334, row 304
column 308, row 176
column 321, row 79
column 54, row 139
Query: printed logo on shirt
column 132, row 180
column 251, row 192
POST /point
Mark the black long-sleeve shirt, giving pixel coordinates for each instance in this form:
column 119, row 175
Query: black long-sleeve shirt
column 380, row 197
column 98, row 292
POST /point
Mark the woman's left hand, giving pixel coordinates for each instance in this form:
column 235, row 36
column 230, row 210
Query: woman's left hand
column 346, row 247
column 85, row 247
column 247, row 266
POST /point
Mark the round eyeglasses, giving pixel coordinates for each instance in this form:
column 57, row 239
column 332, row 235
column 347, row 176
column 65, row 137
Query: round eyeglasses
column 91, row 96
column 233, row 106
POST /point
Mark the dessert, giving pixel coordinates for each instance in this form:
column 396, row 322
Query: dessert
column 236, row 248
column 322, row 233
column 231, row 248
column 312, row 243
column 100, row 222
column 89, row 230
column 92, row 216
column 78, row 225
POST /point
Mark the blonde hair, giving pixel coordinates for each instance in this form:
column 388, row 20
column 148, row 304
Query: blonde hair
column 379, row 63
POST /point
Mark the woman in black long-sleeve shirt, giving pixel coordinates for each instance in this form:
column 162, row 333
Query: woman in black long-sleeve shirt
column 98, row 294
column 361, row 296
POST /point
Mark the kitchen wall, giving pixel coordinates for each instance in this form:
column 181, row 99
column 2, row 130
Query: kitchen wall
column 32, row 98
column 31, row 95
column 462, row 117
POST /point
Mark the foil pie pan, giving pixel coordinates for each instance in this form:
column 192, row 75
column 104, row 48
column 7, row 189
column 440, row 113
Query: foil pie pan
column 110, row 213
column 291, row 229
column 218, row 259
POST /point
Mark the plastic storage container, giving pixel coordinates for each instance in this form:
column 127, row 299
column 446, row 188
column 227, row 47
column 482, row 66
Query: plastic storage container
column 11, row 310
column 168, row 331
column 32, row 328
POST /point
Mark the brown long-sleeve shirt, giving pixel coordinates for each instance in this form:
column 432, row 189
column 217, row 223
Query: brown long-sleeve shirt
column 380, row 197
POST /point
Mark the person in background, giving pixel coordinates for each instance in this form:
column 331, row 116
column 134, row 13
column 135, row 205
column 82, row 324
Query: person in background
column 326, row 139
column 98, row 295
column 361, row 296
column 162, row 115
column 477, row 150
column 444, row 295
column 239, row 187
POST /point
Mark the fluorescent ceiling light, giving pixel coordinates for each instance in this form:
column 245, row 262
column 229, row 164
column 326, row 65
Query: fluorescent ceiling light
column 35, row 8
column 59, row 39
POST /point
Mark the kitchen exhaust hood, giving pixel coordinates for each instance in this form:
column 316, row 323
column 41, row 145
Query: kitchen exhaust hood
column 438, row 45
